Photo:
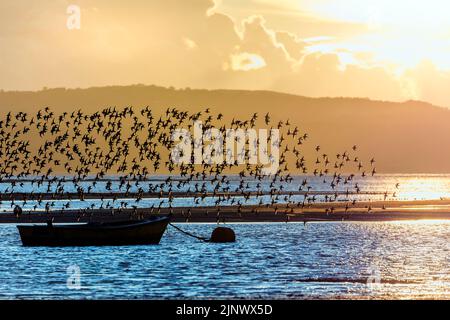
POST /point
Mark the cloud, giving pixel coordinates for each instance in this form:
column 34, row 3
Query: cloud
column 322, row 75
column 427, row 82
column 189, row 43
column 246, row 61
column 293, row 45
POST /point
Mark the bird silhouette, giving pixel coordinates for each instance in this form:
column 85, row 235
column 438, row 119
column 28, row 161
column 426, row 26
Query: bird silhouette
column 114, row 156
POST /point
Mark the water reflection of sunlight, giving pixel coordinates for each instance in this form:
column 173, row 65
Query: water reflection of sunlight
column 421, row 222
column 432, row 188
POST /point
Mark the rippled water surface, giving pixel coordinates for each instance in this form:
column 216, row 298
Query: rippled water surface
column 410, row 187
column 327, row 260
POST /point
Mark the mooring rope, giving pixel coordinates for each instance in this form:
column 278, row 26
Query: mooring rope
column 189, row 234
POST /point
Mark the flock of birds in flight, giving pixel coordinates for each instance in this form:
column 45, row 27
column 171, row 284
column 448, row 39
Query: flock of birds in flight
column 62, row 158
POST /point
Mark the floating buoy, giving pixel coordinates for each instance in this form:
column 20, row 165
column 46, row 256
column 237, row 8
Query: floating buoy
column 17, row 211
column 222, row 235
column 219, row 235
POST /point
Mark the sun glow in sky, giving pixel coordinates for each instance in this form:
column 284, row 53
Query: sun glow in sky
column 401, row 32
column 404, row 32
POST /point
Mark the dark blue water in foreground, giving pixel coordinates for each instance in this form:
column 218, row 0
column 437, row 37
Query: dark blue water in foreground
column 326, row 260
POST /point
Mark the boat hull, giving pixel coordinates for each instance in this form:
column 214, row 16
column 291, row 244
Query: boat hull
column 96, row 234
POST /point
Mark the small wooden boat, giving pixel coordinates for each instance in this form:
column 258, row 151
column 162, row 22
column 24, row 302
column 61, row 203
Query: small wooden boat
column 142, row 232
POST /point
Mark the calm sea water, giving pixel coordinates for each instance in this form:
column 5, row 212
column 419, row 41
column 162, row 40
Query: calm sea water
column 411, row 187
column 325, row 260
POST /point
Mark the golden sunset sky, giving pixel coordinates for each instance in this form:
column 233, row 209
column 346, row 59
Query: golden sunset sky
column 389, row 50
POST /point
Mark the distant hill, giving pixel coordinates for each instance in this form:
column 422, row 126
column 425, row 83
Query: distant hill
column 409, row 137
